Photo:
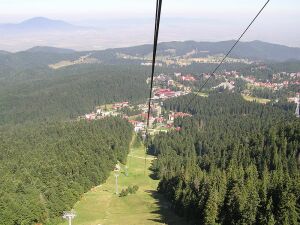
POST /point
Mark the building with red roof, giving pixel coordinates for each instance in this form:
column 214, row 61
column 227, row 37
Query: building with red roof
column 188, row 78
column 173, row 116
column 165, row 93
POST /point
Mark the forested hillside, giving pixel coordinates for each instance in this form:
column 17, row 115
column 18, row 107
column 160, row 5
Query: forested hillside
column 253, row 50
column 31, row 91
column 43, row 94
column 46, row 167
column 234, row 162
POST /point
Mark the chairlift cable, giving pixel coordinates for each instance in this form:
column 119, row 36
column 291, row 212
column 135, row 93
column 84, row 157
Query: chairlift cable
column 156, row 32
column 230, row 50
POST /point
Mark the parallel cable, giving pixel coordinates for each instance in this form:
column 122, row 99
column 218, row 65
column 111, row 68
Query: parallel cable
column 230, row 50
column 156, row 32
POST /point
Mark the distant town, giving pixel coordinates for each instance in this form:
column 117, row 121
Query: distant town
column 168, row 86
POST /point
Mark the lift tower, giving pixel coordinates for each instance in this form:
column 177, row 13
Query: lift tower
column 69, row 216
column 297, row 112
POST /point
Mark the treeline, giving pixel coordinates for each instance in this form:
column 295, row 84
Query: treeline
column 234, row 162
column 45, row 95
column 45, row 168
column 219, row 106
column 266, row 72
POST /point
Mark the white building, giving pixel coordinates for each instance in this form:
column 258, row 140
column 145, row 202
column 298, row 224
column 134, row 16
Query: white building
column 99, row 111
column 139, row 127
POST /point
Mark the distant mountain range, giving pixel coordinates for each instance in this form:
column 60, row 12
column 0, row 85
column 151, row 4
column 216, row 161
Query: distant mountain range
column 118, row 33
column 45, row 49
column 38, row 24
column 255, row 50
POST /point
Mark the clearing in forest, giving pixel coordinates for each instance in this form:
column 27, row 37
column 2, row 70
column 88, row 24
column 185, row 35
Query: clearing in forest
column 147, row 207
column 255, row 99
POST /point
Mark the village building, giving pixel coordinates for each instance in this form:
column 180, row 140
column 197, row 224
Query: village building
column 120, row 105
column 105, row 114
column 165, row 93
column 205, row 75
column 188, row 78
column 159, row 120
column 248, row 79
column 140, row 126
column 173, row 116
column 226, row 85
column 171, row 83
column 91, row 116
column 99, row 111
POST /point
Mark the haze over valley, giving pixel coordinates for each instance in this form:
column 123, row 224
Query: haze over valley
column 102, row 123
column 113, row 33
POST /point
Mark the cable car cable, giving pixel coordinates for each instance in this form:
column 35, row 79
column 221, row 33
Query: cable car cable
column 156, row 32
column 230, row 50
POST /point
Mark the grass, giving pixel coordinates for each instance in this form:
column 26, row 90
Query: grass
column 162, row 129
column 107, row 106
column 201, row 94
column 255, row 99
column 101, row 206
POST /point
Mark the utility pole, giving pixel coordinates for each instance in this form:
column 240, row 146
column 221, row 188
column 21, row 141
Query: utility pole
column 297, row 112
column 145, row 137
column 69, row 216
column 117, row 170
column 116, row 176
column 126, row 171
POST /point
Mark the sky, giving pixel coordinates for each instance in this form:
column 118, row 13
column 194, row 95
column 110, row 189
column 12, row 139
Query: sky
column 15, row 10
column 213, row 19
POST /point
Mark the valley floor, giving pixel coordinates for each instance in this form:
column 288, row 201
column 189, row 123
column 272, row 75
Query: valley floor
column 147, row 207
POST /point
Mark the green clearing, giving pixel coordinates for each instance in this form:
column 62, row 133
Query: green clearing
column 254, row 99
column 106, row 106
column 201, row 94
column 102, row 206
column 162, row 129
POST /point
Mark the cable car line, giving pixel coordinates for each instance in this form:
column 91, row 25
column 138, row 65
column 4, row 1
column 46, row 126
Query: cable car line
column 230, row 50
column 156, row 32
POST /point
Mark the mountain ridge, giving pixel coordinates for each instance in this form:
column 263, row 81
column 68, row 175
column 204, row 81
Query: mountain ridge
column 254, row 50
column 47, row 49
column 38, row 24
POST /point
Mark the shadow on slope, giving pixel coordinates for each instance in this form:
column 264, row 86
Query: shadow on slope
column 166, row 215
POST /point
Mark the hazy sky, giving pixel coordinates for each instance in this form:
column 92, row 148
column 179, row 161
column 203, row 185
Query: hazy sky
column 15, row 10
column 216, row 19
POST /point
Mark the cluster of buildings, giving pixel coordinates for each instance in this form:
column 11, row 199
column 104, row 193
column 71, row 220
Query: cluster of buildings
column 167, row 86
column 226, row 85
column 279, row 80
column 99, row 114
column 158, row 119
column 150, row 64
column 165, row 79
column 120, row 105
column 271, row 85
column 174, row 115
column 283, row 75
column 158, row 122
column 175, row 85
